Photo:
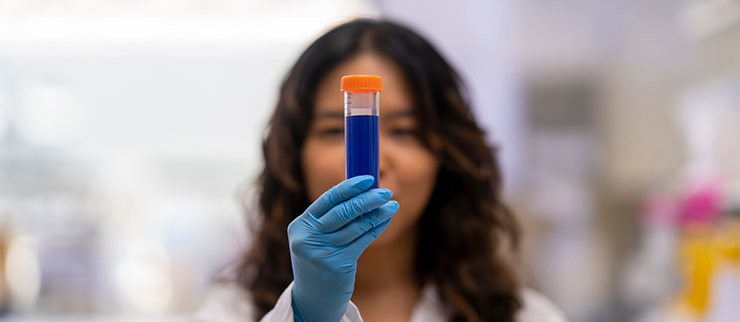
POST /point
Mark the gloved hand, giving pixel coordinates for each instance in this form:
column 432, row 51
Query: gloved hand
column 326, row 241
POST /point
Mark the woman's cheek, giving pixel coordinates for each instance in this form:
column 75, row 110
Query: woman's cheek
column 416, row 175
column 323, row 166
column 418, row 171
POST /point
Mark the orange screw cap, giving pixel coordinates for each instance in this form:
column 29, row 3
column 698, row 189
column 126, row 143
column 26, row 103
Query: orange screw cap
column 361, row 83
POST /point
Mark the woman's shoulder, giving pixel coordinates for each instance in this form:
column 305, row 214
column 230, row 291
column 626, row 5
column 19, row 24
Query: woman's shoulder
column 225, row 302
column 229, row 302
column 538, row 308
column 535, row 307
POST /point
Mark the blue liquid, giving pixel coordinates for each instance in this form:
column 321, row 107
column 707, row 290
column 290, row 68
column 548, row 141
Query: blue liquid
column 361, row 146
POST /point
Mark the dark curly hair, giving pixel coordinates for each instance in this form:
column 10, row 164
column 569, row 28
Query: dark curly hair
column 466, row 230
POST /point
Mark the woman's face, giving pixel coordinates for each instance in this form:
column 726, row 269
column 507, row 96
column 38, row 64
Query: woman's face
column 407, row 167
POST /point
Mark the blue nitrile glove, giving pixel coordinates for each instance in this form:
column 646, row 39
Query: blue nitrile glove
column 326, row 241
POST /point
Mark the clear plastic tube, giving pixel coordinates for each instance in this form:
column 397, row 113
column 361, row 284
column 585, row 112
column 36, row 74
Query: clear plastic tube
column 361, row 135
column 361, row 130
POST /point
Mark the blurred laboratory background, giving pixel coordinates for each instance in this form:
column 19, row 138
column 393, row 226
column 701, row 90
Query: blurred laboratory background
column 130, row 134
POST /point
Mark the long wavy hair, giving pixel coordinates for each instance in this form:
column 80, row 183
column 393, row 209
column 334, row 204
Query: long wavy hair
column 466, row 229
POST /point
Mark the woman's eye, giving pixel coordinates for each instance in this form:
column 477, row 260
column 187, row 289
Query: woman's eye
column 332, row 131
column 404, row 132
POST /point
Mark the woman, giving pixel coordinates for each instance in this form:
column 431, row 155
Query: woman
column 443, row 256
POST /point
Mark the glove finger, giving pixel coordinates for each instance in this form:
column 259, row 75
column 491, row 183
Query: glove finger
column 355, row 248
column 363, row 224
column 339, row 193
column 347, row 211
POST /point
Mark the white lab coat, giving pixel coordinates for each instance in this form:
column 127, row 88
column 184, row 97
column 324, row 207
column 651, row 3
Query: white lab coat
column 233, row 304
